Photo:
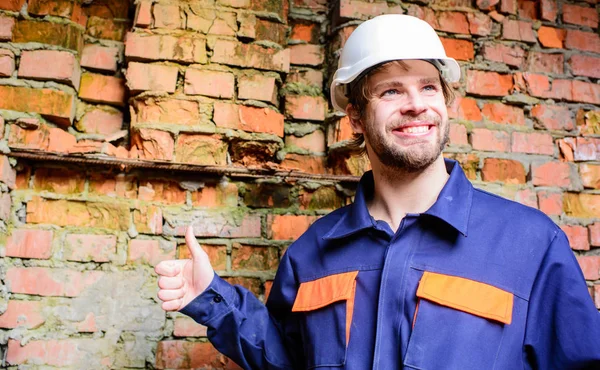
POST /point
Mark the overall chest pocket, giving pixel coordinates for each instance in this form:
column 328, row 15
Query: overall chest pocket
column 326, row 305
column 459, row 323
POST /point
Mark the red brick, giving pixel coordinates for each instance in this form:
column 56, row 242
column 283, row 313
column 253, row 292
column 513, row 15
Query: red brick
column 101, row 121
column 217, row 195
column 6, row 28
column 488, row 83
column 533, row 143
column 254, row 258
column 60, row 8
column 186, row 327
column 100, row 58
column 488, row 140
column 347, row 164
column 305, row 163
column 339, row 130
column 508, row 6
column 143, row 14
column 53, row 65
column 267, row 30
column 594, row 230
column 14, row 5
column 167, row 16
column 468, row 161
column 301, row 107
column 306, row 54
column 155, row 77
column 58, row 181
column 250, row 55
column 517, row 30
column 60, row 353
column 453, row 22
column 580, row 15
column 552, row 174
column 86, row 248
column 545, row 63
column 486, row 4
column 107, row 29
column 50, row 282
column 581, row 40
column 305, row 31
column 458, row 49
column 465, row 109
column 458, row 134
column 99, row 88
column 201, row 149
column 114, row 216
column 246, row 118
column 356, row 9
column 162, row 191
column 526, row 197
column 480, row 24
column 210, row 83
column 108, row 9
column 597, row 295
column 153, row 144
column 590, row 175
column 65, row 35
column 512, row 55
column 583, row 65
column 582, row 205
column 172, row 111
column 578, row 237
column 590, row 265
column 5, row 204
column 258, row 87
column 527, row 9
column 539, row 86
column 142, row 47
column 59, row 140
column 548, row 10
column 56, row 106
column 27, row 314
column 148, row 220
column 585, row 149
column 173, row 354
column 288, row 227
column 314, row 142
column 551, row 37
column 8, row 175
column 550, row 203
column 505, row 170
column 502, row 113
column 585, row 92
column 149, row 252
column 325, row 197
column 29, row 243
column 553, row 117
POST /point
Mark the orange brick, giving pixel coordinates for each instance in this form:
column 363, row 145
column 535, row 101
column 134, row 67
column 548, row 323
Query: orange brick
column 488, row 83
column 7, row 63
column 308, row 77
column 453, row 22
column 314, row 142
column 59, row 353
column 512, row 55
column 208, row 150
column 56, row 106
column 65, row 35
column 50, row 282
column 533, row 143
column 590, row 265
column 85, row 247
column 60, row 8
column 502, row 113
column 153, row 144
column 248, row 118
column 217, row 254
column 305, row 31
column 458, row 134
column 99, row 88
column 582, row 205
column 6, row 28
column 172, row 111
column 8, row 175
column 305, row 163
column 594, row 230
column 551, row 37
column 488, row 140
column 458, row 49
column 13, row 5
column 101, row 121
column 254, row 258
column 480, row 24
column 250, row 55
column 149, row 252
column 288, row 227
column 550, row 203
column 186, row 327
column 578, row 237
column 188, row 49
column 505, row 170
column 548, row 10
column 162, row 191
column 552, row 174
column 258, row 87
column 271, row 31
column 465, row 109
column 590, row 175
column 179, row 354
column 148, row 220
column 553, row 117
column 210, row 83
column 306, row 54
column 517, row 30
column 339, row 130
column 61, row 181
column 108, row 9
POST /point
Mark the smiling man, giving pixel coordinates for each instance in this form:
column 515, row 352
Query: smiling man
column 422, row 271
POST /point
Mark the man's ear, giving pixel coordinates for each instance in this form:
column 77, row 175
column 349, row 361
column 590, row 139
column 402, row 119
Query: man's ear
column 355, row 119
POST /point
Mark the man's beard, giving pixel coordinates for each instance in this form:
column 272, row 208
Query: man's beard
column 407, row 158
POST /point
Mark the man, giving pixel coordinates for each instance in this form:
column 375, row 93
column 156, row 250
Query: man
column 422, row 271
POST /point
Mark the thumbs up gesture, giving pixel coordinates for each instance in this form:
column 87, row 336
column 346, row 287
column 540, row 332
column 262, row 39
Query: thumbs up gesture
column 180, row 281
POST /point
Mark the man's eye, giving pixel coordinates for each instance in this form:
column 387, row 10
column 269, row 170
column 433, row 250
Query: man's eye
column 390, row 92
column 430, row 88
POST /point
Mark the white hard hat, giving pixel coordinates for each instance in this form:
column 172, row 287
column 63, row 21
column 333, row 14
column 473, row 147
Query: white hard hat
column 386, row 38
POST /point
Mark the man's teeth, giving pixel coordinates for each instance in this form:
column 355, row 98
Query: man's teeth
column 415, row 129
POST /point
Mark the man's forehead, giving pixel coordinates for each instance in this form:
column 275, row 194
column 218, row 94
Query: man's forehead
column 407, row 69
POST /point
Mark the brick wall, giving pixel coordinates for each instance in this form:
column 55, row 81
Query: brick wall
column 124, row 122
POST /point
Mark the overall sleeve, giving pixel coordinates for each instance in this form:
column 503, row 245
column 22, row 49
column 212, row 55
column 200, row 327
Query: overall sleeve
column 563, row 325
column 242, row 328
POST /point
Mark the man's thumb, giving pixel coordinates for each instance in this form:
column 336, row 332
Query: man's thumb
column 192, row 244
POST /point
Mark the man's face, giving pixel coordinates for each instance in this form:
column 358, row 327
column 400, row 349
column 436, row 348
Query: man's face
column 405, row 123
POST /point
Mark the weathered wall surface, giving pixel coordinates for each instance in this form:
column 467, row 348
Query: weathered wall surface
column 121, row 123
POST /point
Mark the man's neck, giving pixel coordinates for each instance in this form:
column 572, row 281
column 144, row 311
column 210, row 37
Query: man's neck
column 397, row 194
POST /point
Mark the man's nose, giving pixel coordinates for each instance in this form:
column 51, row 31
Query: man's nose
column 414, row 103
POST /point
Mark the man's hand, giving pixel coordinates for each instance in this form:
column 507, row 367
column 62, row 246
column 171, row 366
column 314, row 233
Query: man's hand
column 180, row 281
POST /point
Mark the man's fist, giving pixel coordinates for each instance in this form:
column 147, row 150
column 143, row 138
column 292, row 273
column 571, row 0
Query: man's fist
column 180, row 281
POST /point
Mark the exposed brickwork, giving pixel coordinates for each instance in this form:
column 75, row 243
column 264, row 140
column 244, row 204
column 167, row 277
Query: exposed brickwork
column 242, row 85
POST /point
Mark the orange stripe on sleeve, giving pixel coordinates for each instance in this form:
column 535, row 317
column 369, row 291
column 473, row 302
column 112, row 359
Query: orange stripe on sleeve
column 467, row 295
